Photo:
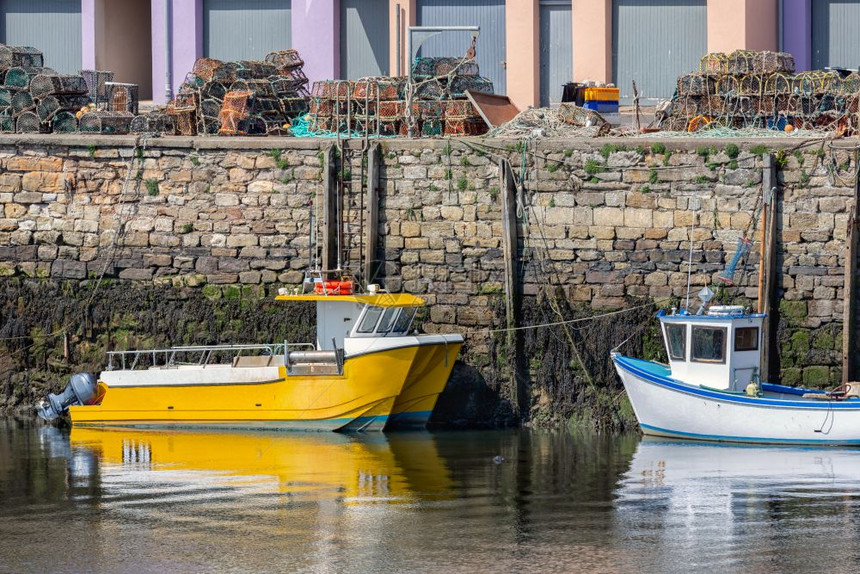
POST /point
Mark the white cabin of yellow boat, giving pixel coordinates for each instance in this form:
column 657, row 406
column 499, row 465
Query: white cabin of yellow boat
column 351, row 322
column 717, row 349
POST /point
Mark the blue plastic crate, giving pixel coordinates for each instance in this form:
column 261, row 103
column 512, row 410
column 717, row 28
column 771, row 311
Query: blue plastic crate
column 601, row 107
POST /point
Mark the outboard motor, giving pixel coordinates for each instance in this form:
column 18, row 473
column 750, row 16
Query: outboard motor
column 80, row 391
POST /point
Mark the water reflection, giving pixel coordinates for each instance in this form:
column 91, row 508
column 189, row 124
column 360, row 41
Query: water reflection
column 111, row 501
column 741, row 507
column 302, row 467
column 151, row 501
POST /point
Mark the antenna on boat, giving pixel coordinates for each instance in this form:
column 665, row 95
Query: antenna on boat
column 690, row 262
column 311, row 242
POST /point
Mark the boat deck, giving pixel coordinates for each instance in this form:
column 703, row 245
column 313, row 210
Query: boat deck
column 770, row 390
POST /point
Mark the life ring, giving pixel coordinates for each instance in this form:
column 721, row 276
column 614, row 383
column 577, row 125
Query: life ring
column 334, row 287
column 698, row 122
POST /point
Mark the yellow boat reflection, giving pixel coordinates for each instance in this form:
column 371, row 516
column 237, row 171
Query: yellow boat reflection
column 358, row 469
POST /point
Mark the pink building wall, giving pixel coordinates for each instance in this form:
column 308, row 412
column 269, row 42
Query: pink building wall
column 742, row 25
column 522, row 28
column 592, row 40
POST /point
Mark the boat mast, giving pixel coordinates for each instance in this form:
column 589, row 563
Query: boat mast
column 690, row 263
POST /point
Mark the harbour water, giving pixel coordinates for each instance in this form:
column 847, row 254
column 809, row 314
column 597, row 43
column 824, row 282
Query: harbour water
column 497, row 501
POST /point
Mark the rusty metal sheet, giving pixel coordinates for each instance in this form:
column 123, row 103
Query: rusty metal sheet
column 495, row 109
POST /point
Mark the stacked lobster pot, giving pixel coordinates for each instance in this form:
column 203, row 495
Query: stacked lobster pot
column 98, row 82
column 372, row 105
column 760, row 90
column 58, row 99
column 436, row 103
column 122, row 97
column 247, row 97
column 106, row 122
column 18, row 66
column 36, row 99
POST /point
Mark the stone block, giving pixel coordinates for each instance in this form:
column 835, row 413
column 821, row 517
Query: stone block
column 28, row 197
column 641, row 200
column 157, row 260
column 410, row 229
column 558, row 215
column 634, row 217
column 609, row 216
column 15, row 210
column 232, row 264
column 251, row 277
column 34, row 164
column 222, row 278
column 241, row 240
column 136, row 274
column 226, row 199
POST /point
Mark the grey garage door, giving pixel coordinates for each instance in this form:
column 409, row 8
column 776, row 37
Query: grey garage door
column 363, row 38
column 488, row 14
column 556, row 49
column 245, row 30
column 655, row 41
column 835, row 37
column 52, row 26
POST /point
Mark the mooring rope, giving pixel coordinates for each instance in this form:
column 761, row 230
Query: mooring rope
column 567, row 321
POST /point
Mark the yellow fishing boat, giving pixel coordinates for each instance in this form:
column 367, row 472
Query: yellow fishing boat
column 365, row 368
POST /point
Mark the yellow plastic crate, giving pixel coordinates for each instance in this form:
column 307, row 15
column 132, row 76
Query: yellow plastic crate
column 601, row 94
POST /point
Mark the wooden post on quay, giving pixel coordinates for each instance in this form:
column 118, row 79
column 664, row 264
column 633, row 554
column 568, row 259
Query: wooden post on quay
column 768, row 262
column 849, row 299
column 329, row 223
column 371, row 228
column 510, row 241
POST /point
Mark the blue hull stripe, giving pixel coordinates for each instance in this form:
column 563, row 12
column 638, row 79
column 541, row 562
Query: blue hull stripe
column 721, row 438
column 376, row 422
column 630, row 365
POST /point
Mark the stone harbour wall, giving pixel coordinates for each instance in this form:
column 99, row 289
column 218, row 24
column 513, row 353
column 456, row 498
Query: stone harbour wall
column 602, row 225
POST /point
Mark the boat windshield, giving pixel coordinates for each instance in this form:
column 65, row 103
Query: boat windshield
column 370, row 319
column 676, row 336
column 382, row 322
column 387, row 320
column 709, row 344
column 404, row 320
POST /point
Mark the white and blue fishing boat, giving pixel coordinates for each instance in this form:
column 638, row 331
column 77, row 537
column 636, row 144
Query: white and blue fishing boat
column 711, row 388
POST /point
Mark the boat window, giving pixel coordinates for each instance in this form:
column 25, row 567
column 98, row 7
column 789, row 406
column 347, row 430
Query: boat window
column 746, row 339
column 387, row 320
column 709, row 345
column 370, row 319
column 676, row 337
column 404, row 320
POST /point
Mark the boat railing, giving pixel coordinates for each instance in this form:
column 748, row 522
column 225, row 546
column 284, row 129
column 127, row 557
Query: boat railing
column 200, row 355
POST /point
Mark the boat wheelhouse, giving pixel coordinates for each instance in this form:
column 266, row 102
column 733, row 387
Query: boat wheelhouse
column 711, row 388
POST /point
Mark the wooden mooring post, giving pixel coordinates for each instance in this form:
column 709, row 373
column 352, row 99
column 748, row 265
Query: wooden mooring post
column 371, row 226
column 849, row 300
column 768, row 264
column 510, row 241
column 330, row 214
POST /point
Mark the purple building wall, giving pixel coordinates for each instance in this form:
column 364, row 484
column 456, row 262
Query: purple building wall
column 186, row 37
column 316, row 35
column 88, row 33
column 797, row 32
